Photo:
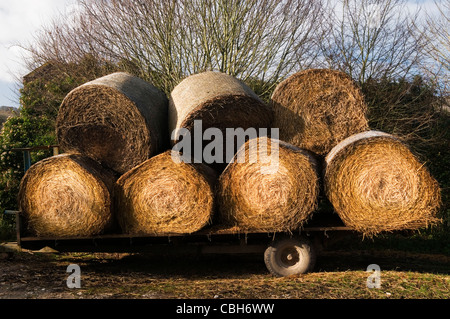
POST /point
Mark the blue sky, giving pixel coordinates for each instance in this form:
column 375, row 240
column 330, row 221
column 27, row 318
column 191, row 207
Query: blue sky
column 19, row 20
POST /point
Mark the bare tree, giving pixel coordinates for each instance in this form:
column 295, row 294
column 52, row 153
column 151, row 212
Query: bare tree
column 165, row 40
column 436, row 31
column 256, row 38
column 375, row 42
column 371, row 39
column 438, row 37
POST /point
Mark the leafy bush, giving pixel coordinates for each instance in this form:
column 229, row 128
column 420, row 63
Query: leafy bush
column 18, row 132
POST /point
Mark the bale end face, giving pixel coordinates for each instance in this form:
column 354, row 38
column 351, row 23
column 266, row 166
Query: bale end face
column 318, row 108
column 118, row 120
column 215, row 100
column 376, row 184
column 67, row 195
column 164, row 195
column 273, row 189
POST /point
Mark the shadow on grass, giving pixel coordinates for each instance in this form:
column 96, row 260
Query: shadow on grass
column 396, row 252
column 245, row 266
column 405, row 251
column 182, row 266
column 387, row 260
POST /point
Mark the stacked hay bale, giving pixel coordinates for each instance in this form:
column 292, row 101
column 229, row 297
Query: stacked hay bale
column 372, row 179
column 164, row 195
column 67, row 195
column 376, row 184
column 119, row 125
column 219, row 101
column 107, row 127
column 118, row 120
column 318, row 108
column 270, row 186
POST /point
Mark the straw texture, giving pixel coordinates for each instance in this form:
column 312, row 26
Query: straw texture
column 274, row 189
column 318, row 108
column 219, row 101
column 68, row 195
column 164, row 195
column 118, row 120
column 376, row 184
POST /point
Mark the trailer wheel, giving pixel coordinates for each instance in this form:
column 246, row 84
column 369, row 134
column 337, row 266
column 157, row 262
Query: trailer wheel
column 289, row 256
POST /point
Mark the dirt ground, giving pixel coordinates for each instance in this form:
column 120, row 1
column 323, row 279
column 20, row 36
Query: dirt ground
column 337, row 275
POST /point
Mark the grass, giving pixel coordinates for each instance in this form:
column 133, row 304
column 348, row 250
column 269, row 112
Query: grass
column 329, row 285
column 338, row 275
column 413, row 266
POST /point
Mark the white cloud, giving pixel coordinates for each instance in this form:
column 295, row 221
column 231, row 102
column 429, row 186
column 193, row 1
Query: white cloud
column 19, row 20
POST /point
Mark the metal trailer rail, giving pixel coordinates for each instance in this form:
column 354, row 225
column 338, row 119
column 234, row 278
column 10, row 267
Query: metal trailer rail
column 284, row 253
column 27, row 153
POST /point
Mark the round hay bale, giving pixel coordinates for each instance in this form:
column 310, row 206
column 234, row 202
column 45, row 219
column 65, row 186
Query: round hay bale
column 274, row 189
column 164, row 195
column 220, row 101
column 118, row 120
column 67, row 195
column 376, row 184
column 318, row 108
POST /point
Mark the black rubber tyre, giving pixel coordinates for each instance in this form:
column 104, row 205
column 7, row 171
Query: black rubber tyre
column 290, row 256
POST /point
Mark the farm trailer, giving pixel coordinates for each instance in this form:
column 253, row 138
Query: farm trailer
column 284, row 253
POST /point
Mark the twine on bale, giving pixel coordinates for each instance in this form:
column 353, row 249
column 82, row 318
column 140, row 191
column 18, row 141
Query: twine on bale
column 376, row 184
column 260, row 194
column 67, row 195
column 118, row 120
column 317, row 108
column 164, row 195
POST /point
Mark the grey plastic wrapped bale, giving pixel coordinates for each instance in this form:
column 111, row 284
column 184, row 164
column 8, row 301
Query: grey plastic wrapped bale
column 118, row 120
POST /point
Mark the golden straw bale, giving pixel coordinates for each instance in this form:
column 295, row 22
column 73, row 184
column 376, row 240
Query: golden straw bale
column 67, row 195
column 317, row 108
column 118, row 120
column 376, row 184
column 273, row 189
column 165, row 195
column 219, row 101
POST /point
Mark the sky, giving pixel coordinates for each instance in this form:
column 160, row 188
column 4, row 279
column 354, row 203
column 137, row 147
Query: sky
column 19, row 21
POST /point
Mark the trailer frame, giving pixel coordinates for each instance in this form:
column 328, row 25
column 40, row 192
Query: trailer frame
column 285, row 253
column 298, row 247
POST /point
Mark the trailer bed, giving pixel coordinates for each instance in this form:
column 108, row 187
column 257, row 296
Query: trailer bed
column 216, row 238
